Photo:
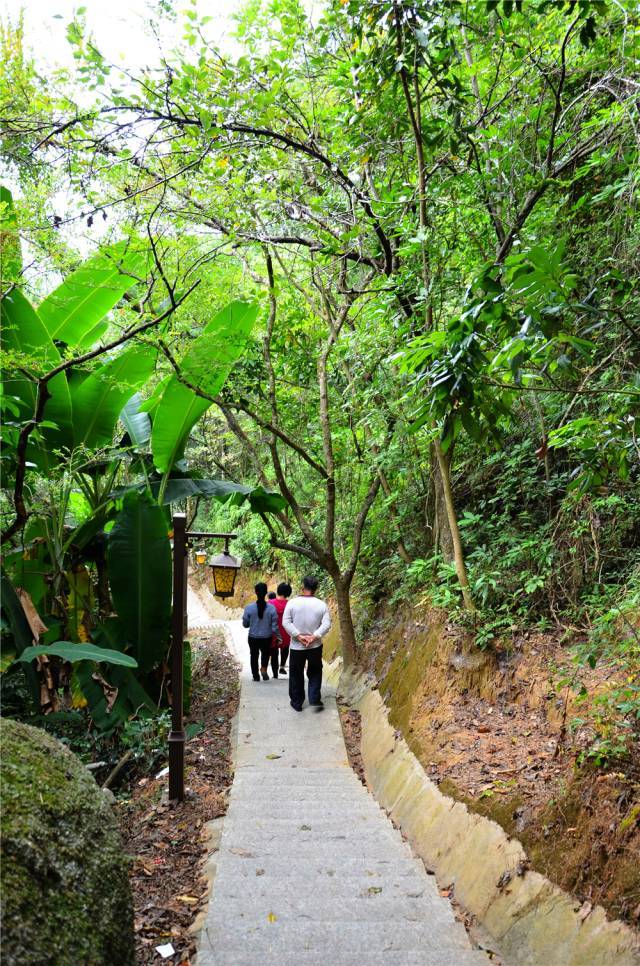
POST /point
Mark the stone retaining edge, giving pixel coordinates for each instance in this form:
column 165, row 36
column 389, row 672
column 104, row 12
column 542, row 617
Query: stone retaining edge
column 531, row 921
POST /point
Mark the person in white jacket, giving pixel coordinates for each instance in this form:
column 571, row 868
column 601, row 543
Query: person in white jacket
column 306, row 619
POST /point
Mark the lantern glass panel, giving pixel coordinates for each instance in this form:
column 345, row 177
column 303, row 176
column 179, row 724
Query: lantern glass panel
column 224, row 578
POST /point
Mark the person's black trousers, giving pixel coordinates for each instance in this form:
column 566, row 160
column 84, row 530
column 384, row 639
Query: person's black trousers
column 312, row 657
column 259, row 647
column 275, row 658
column 284, row 654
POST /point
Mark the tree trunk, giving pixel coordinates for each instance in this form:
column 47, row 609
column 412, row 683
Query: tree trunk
column 458, row 556
column 345, row 619
column 436, row 512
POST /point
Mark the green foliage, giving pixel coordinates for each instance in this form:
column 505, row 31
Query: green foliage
column 99, row 398
column 74, row 312
column 69, row 651
column 613, row 644
column 205, row 366
column 139, row 561
column 453, row 241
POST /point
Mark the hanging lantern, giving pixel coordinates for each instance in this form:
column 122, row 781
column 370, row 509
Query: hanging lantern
column 225, row 567
column 200, row 555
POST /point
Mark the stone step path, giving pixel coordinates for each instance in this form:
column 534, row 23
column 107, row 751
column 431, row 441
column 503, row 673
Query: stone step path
column 310, row 870
column 197, row 614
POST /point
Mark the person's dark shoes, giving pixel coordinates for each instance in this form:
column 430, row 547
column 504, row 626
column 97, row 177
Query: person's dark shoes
column 256, row 677
column 275, row 675
column 296, row 707
column 265, row 676
column 283, row 670
column 318, row 705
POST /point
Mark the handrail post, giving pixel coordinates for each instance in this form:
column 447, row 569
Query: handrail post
column 176, row 737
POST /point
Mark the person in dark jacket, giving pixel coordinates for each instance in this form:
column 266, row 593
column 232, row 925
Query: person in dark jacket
column 262, row 620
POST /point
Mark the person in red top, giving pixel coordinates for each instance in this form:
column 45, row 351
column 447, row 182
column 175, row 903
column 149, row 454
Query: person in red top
column 280, row 602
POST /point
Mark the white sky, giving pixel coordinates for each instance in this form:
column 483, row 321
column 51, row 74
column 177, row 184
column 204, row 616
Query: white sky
column 117, row 25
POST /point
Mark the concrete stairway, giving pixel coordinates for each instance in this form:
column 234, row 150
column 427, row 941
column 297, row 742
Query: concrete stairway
column 310, row 870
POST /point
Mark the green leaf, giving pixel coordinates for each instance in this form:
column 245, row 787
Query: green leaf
column 99, row 399
column 139, row 562
column 83, row 534
column 69, row 651
column 206, row 365
column 23, row 331
column 136, row 423
column 72, row 311
column 178, row 412
column 260, row 500
column 11, row 253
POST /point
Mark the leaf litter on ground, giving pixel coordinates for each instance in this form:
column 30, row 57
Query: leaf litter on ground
column 167, row 842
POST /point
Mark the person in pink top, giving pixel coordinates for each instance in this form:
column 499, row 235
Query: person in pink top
column 282, row 596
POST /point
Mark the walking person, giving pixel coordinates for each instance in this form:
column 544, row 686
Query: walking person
column 262, row 620
column 282, row 649
column 306, row 619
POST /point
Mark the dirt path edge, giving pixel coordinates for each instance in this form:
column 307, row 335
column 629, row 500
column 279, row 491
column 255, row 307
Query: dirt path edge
column 528, row 918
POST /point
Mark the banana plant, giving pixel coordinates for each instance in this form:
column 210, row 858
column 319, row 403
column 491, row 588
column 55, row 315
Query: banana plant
column 125, row 531
column 202, row 373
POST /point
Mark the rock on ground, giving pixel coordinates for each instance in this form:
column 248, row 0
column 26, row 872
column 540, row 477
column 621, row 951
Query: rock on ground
column 65, row 890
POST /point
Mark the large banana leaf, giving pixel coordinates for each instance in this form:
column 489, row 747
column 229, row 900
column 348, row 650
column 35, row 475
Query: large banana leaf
column 69, row 651
column 98, row 400
column 139, row 562
column 206, row 365
column 136, row 423
column 23, row 333
column 74, row 311
column 259, row 499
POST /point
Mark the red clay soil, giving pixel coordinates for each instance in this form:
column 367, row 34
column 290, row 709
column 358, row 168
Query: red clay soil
column 167, row 842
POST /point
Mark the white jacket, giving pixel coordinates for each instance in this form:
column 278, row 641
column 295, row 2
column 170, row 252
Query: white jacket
column 306, row 615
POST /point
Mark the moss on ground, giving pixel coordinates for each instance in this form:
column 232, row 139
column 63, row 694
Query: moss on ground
column 65, row 891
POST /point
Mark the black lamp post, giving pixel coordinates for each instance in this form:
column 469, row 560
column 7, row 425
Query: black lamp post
column 225, row 568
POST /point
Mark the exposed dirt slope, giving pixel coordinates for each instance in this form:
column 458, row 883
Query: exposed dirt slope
column 492, row 730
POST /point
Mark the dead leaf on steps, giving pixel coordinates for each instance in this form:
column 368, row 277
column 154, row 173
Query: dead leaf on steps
column 272, row 917
column 242, row 853
column 273, row 756
column 190, row 900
